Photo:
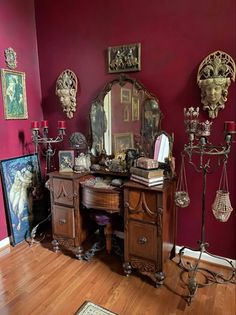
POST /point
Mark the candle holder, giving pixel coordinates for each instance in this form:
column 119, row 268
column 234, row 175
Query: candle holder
column 200, row 146
column 40, row 137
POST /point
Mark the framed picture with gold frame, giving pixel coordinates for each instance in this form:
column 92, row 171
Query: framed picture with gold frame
column 124, row 58
column 135, row 108
column 125, row 96
column 14, row 94
column 122, row 142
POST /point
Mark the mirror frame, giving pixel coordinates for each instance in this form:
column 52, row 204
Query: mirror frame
column 98, row 131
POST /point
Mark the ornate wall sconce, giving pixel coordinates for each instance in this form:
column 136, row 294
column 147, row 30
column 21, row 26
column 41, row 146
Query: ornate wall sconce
column 214, row 77
column 66, row 90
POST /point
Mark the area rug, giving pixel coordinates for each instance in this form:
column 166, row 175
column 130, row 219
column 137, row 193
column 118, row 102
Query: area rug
column 89, row 308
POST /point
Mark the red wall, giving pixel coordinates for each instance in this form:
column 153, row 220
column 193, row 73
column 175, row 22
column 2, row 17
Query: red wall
column 175, row 37
column 18, row 31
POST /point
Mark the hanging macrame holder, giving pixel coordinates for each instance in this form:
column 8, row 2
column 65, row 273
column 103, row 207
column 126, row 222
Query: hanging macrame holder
column 182, row 199
column 222, row 206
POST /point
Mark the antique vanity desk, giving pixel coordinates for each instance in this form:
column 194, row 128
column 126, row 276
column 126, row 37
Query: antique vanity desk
column 148, row 213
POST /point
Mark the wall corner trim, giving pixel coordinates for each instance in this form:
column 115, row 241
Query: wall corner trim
column 205, row 257
column 4, row 242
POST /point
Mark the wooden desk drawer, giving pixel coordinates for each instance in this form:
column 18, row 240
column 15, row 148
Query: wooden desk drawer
column 63, row 191
column 142, row 240
column 63, row 221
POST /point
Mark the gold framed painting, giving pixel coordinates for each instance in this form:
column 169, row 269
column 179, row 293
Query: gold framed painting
column 135, row 108
column 122, row 142
column 125, row 96
column 124, row 58
column 14, row 94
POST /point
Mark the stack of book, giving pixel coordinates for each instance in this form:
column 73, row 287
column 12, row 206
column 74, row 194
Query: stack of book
column 151, row 177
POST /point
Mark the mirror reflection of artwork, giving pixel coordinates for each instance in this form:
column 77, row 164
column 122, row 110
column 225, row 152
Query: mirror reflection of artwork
column 135, row 108
column 125, row 95
column 214, row 78
column 123, row 141
column 14, row 94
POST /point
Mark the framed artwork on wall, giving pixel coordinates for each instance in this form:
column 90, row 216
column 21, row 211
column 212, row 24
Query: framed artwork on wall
column 14, row 94
column 124, row 58
column 20, row 176
column 66, row 160
column 123, row 141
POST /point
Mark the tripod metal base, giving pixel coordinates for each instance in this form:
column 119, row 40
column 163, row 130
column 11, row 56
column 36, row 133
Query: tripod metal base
column 193, row 268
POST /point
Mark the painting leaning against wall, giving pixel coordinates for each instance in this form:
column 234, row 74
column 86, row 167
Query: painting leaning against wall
column 20, row 176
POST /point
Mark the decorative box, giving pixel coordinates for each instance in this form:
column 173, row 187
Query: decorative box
column 147, row 163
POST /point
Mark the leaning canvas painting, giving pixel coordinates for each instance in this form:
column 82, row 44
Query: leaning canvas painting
column 20, row 176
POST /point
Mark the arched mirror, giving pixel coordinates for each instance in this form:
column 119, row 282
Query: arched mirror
column 125, row 115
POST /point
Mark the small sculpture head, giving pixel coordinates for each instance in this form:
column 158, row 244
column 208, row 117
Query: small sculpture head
column 214, row 77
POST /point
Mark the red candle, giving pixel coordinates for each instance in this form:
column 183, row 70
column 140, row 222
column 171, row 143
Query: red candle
column 34, row 125
column 44, row 124
column 61, row 124
column 230, row 126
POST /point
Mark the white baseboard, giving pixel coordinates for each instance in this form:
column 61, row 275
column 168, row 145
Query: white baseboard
column 4, row 242
column 205, row 257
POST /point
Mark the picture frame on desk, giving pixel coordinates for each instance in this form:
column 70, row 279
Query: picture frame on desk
column 20, row 177
column 66, row 160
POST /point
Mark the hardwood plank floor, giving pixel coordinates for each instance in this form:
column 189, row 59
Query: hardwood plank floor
column 35, row 280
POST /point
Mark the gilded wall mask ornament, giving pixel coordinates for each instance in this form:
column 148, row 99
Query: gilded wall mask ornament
column 214, row 77
column 10, row 58
column 66, row 90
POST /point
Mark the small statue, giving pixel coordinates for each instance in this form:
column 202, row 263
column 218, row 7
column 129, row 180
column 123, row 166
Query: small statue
column 66, row 90
column 214, row 77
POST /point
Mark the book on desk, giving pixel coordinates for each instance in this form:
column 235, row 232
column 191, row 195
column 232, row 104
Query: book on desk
column 147, row 177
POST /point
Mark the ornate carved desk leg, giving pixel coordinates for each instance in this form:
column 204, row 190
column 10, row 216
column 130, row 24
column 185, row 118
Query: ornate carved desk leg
column 55, row 246
column 127, row 268
column 159, row 278
column 79, row 253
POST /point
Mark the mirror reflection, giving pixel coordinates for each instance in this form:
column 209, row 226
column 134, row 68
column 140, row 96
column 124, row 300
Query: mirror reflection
column 124, row 116
column 162, row 149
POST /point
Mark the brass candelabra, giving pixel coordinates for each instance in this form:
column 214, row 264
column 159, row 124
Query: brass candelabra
column 41, row 137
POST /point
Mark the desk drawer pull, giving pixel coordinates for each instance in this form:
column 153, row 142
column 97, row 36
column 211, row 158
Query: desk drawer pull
column 62, row 221
column 142, row 240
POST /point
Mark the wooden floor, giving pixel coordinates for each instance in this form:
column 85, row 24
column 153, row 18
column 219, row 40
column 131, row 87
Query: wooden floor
column 35, row 280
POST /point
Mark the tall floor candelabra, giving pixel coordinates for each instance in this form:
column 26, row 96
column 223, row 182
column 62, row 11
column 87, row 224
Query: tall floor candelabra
column 199, row 145
column 46, row 141
column 40, row 137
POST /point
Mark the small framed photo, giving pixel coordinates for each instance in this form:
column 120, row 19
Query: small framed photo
column 125, row 96
column 124, row 58
column 135, row 108
column 20, row 176
column 122, row 142
column 66, row 160
column 14, row 94
column 126, row 113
